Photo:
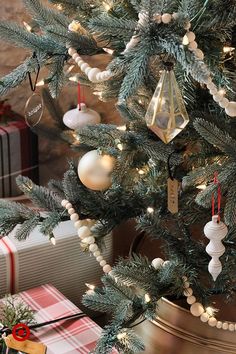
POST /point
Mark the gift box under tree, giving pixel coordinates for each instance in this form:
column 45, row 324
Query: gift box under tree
column 18, row 151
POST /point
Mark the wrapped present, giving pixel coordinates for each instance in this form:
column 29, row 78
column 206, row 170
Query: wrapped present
column 18, row 151
column 69, row 336
column 35, row 261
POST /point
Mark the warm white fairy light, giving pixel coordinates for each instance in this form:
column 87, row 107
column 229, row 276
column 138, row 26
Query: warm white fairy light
column 106, row 6
column 228, row 49
column 108, row 50
column 27, row 26
column 73, row 78
column 211, row 311
column 53, row 240
column 59, row 7
column 141, row 172
column 222, row 92
column 147, row 298
column 98, row 93
column 40, row 83
column 150, row 210
column 202, row 186
column 90, row 286
column 121, row 335
column 121, row 127
column 71, row 67
column 120, row 146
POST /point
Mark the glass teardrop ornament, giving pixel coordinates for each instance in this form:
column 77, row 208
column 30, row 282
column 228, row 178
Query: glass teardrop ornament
column 166, row 115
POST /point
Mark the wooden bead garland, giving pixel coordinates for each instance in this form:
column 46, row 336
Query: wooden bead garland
column 189, row 40
column 196, row 308
column 84, row 233
column 94, row 74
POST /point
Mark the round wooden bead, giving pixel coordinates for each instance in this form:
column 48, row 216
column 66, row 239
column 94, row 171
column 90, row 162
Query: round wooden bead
column 231, row 327
column 157, row 263
column 188, row 292
column 77, row 224
column 92, row 74
column 196, row 309
column 217, row 97
column 187, row 26
column 64, row 202
column 86, row 71
column 199, row 54
column 184, row 278
column 102, row 263
column 191, row 300
column 212, row 321
column 106, row 268
column 211, row 85
column 191, row 36
column 71, row 211
column 175, row 15
column 186, row 284
column 224, row 102
column 213, row 91
column 74, row 217
column 157, row 18
column 71, row 51
column 79, row 61
column 166, row 18
column 219, row 324
column 84, row 66
column 68, row 206
column 83, row 232
column 231, row 109
column 75, row 55
column 192, row 46
column 89, row 240
column 225, row 326
column 204, row 317
column 97, row 253
column 93, row 247
column 99, row 258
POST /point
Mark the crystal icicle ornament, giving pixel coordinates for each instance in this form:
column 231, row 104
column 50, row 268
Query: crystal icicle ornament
column 166, row 115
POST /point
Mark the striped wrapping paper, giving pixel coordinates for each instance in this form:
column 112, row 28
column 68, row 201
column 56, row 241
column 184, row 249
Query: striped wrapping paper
column 35, row 261
column 64, row 337
column 18, row 156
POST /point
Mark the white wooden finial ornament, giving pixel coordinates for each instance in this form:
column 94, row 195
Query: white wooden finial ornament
column 215, row 231
column 80, row 117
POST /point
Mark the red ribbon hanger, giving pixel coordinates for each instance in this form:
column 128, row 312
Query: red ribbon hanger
column 216, row 182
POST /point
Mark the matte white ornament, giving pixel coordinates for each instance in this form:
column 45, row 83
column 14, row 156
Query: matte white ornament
column 80, row 117
column 157, row 263
column 95, row 170
column 231, row 109
column 196, row 309
column 215, row 231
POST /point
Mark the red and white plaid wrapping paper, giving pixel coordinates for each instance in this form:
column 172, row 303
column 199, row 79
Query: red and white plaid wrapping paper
column 65, row 337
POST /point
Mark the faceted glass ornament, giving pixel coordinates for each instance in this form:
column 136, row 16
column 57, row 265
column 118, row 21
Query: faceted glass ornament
column 166, row 115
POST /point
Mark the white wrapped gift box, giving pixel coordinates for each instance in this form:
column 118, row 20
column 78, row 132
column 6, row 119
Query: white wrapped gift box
column 35, row 261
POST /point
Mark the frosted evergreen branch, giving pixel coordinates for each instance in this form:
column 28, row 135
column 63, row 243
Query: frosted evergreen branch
column 57, row 76
column 230, row 210
column 48, row 224
column 201, row 175
column 44, row 15
column 53, row 108
column 26, row 227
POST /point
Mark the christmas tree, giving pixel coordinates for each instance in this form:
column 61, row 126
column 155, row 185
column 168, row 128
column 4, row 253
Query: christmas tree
column 172, row 73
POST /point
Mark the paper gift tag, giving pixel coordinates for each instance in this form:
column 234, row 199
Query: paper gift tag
column 172, row 191
column 26, row 346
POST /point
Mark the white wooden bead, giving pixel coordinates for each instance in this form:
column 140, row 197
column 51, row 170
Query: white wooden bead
column 157, row 18
column 83, row 231
column 225, row 326
column 71, row 211
column 68, row 206
column 212, row 321
column 97, row 253
column 157, row 263
column 217, row 97
column 196, row 309
column 219, row 324
column 188, row 292
column 102, row 263
column 204, row 317
column 166, row 263
column 75, row 55
column 89, row 240
column 211, row 86
column 64, row 202
column 79, row 61
column 93, row 247
column 99, row 258
column 213, row 91
column 92, row 74
column 231, row 327
column 191, row 36
column 84, row 66
column 187, row 25
column 71, row 51
column 166, row 18
column 86, row 71
column 74, row 217
column 77, row 224
column 224, row 102
column 184, row 278
column 192, row 46
column 199, row 54
column 106, row 268
column 231, row 109
column 191, row 300
column 186, row 284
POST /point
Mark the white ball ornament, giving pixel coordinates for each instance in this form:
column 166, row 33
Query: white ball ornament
column 95, row 170
column 196, row 309
column 157, row 263
column 215, row 231
column 231, row 109
column 80, row 117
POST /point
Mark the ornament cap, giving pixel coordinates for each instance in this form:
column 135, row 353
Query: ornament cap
column 82, row 107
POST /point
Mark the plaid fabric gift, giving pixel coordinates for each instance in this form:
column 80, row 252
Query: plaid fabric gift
column 64, row 337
